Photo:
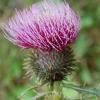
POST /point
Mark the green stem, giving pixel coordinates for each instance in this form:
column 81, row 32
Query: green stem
column 40, row 95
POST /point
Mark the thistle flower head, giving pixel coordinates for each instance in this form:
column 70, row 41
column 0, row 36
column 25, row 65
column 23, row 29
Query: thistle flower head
column 45, row 26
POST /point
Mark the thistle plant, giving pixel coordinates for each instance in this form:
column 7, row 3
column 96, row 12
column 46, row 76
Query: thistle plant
column 48, row 29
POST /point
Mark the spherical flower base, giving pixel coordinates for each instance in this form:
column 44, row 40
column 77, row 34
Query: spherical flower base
column 50, row 67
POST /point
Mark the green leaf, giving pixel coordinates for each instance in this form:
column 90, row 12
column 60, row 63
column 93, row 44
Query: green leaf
column 93, row 91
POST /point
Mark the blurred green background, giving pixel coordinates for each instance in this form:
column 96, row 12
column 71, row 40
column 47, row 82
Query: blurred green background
column 86, row 49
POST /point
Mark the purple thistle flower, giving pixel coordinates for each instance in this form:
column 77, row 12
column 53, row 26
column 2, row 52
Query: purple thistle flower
column 44, row 26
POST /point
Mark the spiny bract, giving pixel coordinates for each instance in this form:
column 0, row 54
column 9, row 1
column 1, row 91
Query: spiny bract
column 50, row 67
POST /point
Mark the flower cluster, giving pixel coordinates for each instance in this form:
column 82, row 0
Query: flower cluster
column 44, row 26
